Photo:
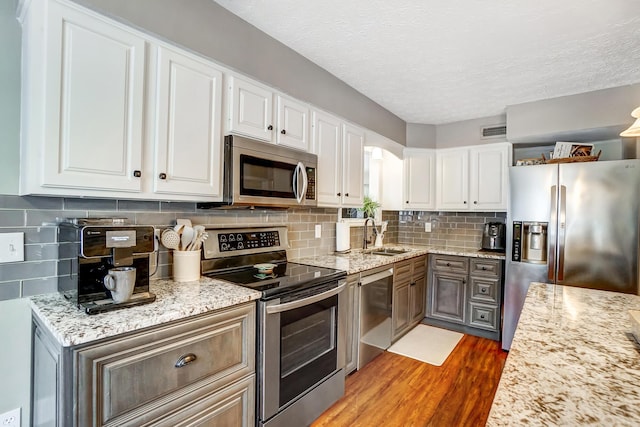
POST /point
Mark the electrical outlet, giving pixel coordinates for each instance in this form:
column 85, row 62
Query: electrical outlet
column 11, row 418
column 11, row 247
column 318, row 231
column 427, row 227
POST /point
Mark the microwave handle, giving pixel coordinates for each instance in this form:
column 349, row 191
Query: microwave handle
column 305, row 179
column 295, row 182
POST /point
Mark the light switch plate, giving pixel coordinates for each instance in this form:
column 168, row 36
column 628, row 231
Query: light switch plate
column 318, row 231
column 11, row 247
column 427, row 227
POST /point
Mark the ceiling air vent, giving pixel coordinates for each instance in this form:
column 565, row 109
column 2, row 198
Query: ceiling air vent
column 497, row 131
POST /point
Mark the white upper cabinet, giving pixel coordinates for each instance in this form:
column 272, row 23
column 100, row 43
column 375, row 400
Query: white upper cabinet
column 489, row 176
column 473, row 178
column 352, row 166
column 186, row 128
column 83, row 93
column 419, row 179
column 340, row 150
column 292, row 124
column 250, row 110
column 327, row 145
column 89, row 128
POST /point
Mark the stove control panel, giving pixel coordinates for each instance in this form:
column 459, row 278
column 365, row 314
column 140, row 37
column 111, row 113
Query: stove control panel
column 228, row 242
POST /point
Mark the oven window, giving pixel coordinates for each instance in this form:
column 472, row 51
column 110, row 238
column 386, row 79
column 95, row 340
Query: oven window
column 268, row 178
column 308, row 347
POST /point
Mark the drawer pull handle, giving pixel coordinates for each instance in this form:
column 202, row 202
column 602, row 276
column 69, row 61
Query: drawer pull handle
column 185, row 360
column 448, row 264
column 482, row 316
column 483, row 290
column 484, row 268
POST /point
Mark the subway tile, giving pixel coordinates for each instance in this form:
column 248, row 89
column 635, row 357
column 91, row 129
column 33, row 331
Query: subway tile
column 27, row 270
column 9, row 290
column 31, row 202
column 12, row 218
column 178, row 207
column 39, row 286
column 40, row 252
column 155, row 218
column 129, row 217
column 90, row 204
column 51, row 218
column 138, row 206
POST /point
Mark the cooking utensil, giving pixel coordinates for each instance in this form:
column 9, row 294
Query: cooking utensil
column 186, row 238
column 198, row 237
column 170, row 239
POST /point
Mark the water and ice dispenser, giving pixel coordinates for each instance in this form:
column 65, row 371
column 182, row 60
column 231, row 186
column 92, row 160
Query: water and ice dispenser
column 529, row 242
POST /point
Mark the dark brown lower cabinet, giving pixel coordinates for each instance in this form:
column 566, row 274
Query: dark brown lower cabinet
column 465, row 294
column 196, row 371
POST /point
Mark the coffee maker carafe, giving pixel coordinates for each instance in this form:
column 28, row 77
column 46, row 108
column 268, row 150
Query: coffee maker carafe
column 107, row 256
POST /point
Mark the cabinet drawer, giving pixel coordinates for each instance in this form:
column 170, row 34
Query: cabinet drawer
column 117, row 379
column 450, row 263
column 486, row 267
column 484, row 289
column 483, row 316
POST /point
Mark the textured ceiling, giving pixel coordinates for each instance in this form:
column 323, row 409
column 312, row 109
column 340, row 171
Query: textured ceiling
column 436, row 62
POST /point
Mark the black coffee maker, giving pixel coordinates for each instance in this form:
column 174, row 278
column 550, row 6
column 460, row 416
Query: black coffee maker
column 90, row 247
column 493, row 237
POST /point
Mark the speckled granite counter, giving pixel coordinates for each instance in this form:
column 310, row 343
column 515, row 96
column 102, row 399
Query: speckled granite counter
column 357, row 260
column 571, row 362
column 174, row 301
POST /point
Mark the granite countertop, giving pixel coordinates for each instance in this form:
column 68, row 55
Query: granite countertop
column 572, row 361
column 174, row 301
column 357, row 260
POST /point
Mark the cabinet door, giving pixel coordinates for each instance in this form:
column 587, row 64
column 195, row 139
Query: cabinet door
column 452, row 179
column 418, row 299
column 293, row 124
column 94, row 89
column 488, row 184
column 400, row 309
column 419, row 179
column 353, row 166
column 188, row 149
column 447, row 299
column 327, row 145
column 250, row 110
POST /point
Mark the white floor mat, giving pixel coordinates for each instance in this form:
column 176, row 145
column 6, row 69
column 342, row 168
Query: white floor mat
column 427, row 344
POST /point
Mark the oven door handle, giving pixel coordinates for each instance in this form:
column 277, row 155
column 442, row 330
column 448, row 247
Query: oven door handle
column 279, row 308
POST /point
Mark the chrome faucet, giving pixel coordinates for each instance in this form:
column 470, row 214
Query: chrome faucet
column 375, row 231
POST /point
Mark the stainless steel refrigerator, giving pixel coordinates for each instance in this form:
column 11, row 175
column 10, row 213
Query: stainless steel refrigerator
column 572, row 224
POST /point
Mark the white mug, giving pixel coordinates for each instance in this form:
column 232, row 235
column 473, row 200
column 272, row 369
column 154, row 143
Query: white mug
column 120, row 281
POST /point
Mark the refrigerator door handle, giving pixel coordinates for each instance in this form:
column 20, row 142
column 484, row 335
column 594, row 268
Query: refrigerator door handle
column 551, row 234
column 562, row 232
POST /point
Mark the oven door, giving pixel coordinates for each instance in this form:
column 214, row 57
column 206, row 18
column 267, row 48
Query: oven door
column 278, row 177
column 301, row 344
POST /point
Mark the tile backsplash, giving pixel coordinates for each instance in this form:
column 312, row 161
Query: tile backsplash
column 37, row 217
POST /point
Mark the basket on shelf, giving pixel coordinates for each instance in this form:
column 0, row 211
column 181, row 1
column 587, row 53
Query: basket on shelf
column 574, row 159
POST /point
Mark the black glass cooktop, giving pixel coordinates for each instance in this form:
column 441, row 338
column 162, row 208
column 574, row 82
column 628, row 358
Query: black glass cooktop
column 286, row 277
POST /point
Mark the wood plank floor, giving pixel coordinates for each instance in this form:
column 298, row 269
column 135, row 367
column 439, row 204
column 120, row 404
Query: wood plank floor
column 394, row 390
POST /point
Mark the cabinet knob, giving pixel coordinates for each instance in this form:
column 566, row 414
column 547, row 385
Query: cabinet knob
column 484, row 268
column 137, row 174
column 283, row 131
column 464, row 281
column 346, row 194
column 448, row 264
column 475, row 202
column 339, row 194
column 270, row 127
column 482, row 316
column 483, row 290
column 465, row 202
column 407, row 201
column 162, row 176
column 185, row 360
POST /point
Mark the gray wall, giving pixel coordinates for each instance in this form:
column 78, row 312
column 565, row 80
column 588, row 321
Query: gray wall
column 9, row 98
column 468, row 132
column 421, row 136
column 591, row 116
column 207, row 28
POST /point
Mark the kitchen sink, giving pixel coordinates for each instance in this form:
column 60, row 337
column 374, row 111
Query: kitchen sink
column 388, row 252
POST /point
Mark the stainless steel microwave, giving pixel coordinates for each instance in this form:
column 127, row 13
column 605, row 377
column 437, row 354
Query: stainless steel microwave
column 261, row 174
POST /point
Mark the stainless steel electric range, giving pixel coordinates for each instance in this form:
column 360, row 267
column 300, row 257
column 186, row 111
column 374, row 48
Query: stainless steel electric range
column 301, row 322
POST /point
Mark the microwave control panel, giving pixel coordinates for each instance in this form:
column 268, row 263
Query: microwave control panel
column 311, row 184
